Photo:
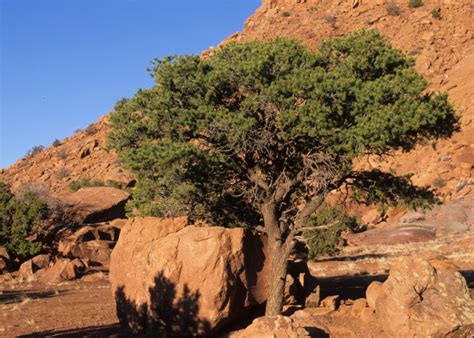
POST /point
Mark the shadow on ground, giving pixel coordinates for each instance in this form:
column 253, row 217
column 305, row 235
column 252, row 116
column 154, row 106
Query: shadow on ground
column 18, row 296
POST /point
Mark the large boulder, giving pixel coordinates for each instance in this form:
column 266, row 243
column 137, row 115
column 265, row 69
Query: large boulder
column 171, row 278
column 96, row 204
column 419, row 301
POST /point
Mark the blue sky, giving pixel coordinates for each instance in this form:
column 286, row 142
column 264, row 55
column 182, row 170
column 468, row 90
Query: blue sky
column 64, row 63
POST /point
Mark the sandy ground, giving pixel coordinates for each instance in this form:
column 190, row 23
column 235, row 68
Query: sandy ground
column 69, row 309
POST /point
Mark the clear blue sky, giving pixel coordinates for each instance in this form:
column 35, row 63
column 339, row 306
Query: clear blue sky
column 64, row 63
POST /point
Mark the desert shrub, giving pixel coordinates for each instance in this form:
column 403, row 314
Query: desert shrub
column 62, row 173
column 439, row 183
column 285, row 14
column 415, row 3
column 331, row 20
column 41, row 190
column 86, row 182
column 61, row 153
column 91, row 129
column 34, row 151
column 392, row 9
column 56, row 143
column 18, row 216
column 436, row 13
column 324, row 229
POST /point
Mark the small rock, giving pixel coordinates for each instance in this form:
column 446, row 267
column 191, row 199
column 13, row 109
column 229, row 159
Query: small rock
column 331, row 302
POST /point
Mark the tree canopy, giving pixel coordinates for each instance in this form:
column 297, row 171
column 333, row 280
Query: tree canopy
column 259, row 133
column 214, row 133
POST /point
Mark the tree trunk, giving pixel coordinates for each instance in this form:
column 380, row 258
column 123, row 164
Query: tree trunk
column 279, row 253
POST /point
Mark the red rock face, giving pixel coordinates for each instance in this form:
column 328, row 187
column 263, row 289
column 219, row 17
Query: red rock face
column 96, row 204
column 164, row 272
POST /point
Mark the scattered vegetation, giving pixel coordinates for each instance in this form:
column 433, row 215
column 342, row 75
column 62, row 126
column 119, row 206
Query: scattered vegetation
column 392, row 9
column 330, row 20
column 56, row 143
column 261, row 132
column 62, row 173
column 436, row 13
column 61, row 153
column 439, row 183
column 18, row 216
column 415, row 3
column 86, row 182
column 285, row 14
column 91, row 129
column 324, row 229
column 34, row 151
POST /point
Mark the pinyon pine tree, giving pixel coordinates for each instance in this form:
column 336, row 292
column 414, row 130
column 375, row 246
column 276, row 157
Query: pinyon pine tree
column 259, row 133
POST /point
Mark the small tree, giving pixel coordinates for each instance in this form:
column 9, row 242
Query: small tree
column 260, row 133
column 18, row 216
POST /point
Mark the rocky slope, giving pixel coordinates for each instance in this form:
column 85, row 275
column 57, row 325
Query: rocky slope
column 443, row 48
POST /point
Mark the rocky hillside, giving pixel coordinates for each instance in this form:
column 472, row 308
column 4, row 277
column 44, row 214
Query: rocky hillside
column 439, row 35
column 81, row 156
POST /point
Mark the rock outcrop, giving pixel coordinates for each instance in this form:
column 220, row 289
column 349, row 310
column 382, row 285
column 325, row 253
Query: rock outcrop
column 96, row 204
column 419, row 301
column 92, row 243
column 169, row 277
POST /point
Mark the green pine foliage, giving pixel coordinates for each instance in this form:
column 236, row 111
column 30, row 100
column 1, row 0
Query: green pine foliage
column 323, row 236
column 415, row 3
column 215, row 137
column 18, row 216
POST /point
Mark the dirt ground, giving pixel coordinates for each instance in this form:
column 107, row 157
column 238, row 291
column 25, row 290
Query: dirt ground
column 84, row 309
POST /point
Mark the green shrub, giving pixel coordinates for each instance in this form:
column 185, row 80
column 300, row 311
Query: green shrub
column 18, row 216
column 415, row 3
column 392, row 9
column 35, row 150
column 327, row 240
column 285, row 14
column 436, row 13
column 86, row 182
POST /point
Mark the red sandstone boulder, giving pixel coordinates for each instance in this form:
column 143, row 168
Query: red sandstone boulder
column 419, row 301
column 275, row 327
column 62, row 270
column 169, row 277
column 92, row 243
column 96, row 204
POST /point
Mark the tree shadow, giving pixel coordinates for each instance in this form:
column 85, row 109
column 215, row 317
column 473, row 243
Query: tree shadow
column 166, row 314
column 11, row 297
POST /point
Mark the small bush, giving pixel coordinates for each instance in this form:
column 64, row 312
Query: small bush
column 56, row 143
column 439, row 183
column 91, row 129
column 327, row 240
column 331, row 20
column 62, row 173
column 34, row 151
column 18, row 216
column 392, row 9
column 61, row 153
column 436, row 13
column 415, row 3
column 86, row 182
column 285, row 14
